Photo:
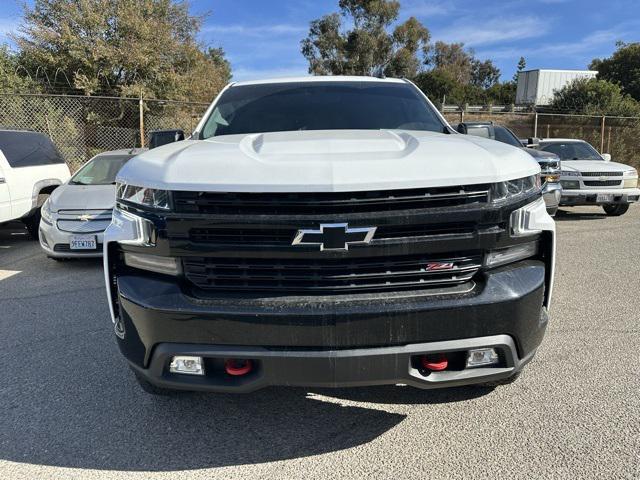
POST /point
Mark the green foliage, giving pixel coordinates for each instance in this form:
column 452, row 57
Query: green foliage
column 124, row 48
column 12, row 78
column 595, row 97
column 484, row 74
column 622, row 68
column 522, row 64
column 460, row 78
column 369, row 48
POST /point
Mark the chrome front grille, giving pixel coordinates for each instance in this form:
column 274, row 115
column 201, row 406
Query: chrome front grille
column 80, row 226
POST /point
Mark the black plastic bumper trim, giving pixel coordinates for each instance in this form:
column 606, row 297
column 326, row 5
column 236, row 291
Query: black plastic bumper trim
column 337, row 368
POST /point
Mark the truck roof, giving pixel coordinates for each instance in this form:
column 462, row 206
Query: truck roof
column 319, row 78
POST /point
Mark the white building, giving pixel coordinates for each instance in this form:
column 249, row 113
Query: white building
column 536, row 87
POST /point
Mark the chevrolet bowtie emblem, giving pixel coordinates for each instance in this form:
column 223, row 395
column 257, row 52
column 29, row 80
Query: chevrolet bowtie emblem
column 334, row 236
column 85, row 217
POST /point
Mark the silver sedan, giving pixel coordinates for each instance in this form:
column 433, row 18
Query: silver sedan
column 78, row 212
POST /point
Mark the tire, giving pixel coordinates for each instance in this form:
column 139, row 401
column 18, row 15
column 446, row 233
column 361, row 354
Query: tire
column 151, row 388
column 497, row 383
column 615, row 210
column 32, row 222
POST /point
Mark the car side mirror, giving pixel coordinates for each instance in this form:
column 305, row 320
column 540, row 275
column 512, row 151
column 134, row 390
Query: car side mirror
column 606, row 157
column 158, row 138
column 533, row 142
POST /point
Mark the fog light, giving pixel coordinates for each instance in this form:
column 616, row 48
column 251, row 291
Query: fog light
column 187, row 365
column 482, row 356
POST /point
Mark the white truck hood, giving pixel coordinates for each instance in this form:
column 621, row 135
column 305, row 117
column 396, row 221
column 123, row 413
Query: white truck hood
column 594, row 166
column 327, row 161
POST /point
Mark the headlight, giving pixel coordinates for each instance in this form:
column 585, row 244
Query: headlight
column 569, row 173
column 502, row 191
column 148, row 197
column 45, row 211
column 630, row 179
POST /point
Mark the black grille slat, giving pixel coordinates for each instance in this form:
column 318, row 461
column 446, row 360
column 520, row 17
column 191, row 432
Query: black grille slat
column 326, row 275
column 314, row 203
column 601, row 174
column 284, row 236
column 602, row 183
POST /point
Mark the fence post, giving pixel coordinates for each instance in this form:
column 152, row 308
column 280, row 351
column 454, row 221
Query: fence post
column 535, row 126
column 602, row 134
column 141, row 107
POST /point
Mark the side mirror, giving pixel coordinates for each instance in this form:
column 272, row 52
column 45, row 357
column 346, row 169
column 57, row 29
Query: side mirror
column 606, row 157
column 158, row 138
column 533, row 142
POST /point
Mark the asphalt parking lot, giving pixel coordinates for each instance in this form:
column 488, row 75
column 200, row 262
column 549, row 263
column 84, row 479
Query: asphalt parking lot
column 71, row 409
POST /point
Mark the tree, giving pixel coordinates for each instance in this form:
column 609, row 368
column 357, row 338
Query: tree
column 595, row 97
column 522, row 64
column 369, row 48
column 484, row 74
column 12, row 78
column 130, row 48
column 453, row 59
column 622, row 68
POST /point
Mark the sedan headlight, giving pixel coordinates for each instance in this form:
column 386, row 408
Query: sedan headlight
column 569, row 173
column 502, row 191
column 148, row 197
column 45, row 211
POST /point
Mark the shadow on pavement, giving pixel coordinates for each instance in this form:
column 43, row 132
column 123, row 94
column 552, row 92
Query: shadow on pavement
column 564, row 215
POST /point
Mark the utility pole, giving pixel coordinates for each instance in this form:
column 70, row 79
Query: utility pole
column 141, row 107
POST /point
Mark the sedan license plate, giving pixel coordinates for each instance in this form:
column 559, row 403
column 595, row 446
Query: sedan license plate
column 83, row 242
column 604, row 197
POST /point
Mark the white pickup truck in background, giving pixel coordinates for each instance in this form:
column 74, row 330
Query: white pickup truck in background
column 30, row 169
column 589, row 178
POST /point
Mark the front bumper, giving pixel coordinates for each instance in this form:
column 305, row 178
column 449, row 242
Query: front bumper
column 590, row 196
column 367, row 339
column 56, row 243
column 337, row 368
column 552, row 193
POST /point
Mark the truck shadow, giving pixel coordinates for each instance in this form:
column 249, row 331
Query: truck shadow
column 569, row 215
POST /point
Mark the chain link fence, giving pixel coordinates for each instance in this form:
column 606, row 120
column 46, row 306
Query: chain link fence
column 618, row 136
column 81, row 127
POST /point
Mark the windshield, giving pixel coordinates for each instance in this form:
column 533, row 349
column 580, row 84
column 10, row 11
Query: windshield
column 572, row 150
column 505, row 135
column 282, row 107
column 102, row 170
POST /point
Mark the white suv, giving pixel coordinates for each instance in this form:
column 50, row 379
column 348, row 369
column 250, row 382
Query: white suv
column 30, row 169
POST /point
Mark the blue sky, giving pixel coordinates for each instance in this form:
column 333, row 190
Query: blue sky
column 262, row 37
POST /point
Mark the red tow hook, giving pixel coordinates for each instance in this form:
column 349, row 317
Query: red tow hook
column 237, row 367
column 436, row 366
